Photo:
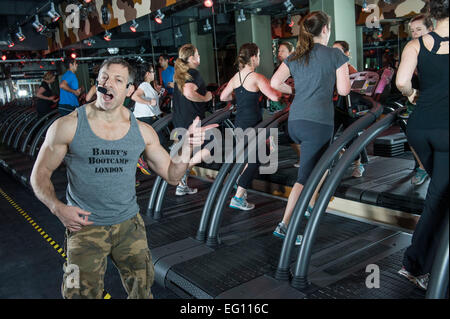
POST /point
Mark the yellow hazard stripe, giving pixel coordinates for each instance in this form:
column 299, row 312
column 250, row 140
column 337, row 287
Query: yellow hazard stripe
column 39, row 229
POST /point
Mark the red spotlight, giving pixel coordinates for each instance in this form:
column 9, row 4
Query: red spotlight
column 208, row 3
column 290, row 22
column 3, row 57
column 73, row 55
column 134, row 26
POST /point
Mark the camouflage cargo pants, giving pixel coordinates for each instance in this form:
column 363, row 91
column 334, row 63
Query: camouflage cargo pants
column 87, row 252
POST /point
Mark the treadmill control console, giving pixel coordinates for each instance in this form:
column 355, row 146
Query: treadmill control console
column 364, row 83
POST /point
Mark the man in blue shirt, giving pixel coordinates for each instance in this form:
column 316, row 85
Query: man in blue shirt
column 69, row 89
column 167, row 73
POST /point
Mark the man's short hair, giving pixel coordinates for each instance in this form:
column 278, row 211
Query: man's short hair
column 68, row 62
column 164, row 56
column 288, row 45
column 124, row 63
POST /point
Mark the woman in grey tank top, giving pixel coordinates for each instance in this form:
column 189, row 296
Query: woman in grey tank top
column 315, row 69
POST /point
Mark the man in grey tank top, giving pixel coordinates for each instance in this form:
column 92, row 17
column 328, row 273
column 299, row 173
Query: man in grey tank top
column 100, row 143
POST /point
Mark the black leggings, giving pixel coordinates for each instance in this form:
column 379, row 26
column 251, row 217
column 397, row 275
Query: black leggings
column 314, row 138
column 432, row 146
column 247, row 176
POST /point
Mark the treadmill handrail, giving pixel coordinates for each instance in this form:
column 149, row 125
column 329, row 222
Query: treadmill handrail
column 22, row 130
column 41, row 132
column 331, row 183
column 282, row 272
column 160, row 124
column 12, row 124
column 216, row 218
column 19, row 125
column 156, row 200
column 437, row 286
column 11, row 115
column 33, row 128
column 218, row 184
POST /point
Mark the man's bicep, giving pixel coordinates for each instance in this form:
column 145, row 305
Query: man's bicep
column 157, row 159
column 52, row 151
column 155, row 155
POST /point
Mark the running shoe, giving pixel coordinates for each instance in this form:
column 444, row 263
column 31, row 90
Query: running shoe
column 358, row 171
column 241, row 203
column 308, row 212
column 297, row 165
column 404, row 115
column 420, row 281
column 281, row 231
column 185, row 190
column 143, row 167
column 420, row 177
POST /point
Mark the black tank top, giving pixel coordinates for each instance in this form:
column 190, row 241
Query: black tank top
column 248, row 112
column 432, row 104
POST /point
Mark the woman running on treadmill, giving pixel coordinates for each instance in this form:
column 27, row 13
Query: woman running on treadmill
column 247, row 86
column 189, row 99
column 428, row 133
column 146, row 97
column 419, row 26
column 316, row 70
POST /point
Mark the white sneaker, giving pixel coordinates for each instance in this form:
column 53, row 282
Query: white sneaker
column 358, row 171
column 241, row 203
column 185, row 190
column 420, row 281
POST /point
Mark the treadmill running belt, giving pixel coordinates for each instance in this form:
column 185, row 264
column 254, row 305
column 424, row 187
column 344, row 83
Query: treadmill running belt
column 231, row 266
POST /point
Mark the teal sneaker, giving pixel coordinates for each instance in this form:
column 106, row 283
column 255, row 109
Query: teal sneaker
column 420, row 177
column 281, row 231
column 241, row 203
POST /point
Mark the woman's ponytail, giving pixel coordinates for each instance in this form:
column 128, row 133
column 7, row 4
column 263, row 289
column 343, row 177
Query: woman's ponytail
column 310, row 26
column 182, row 65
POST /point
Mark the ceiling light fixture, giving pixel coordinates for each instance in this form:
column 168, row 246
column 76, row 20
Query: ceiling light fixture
column 19, row 34
column 89, row 42
column 178, row 34
column 52, row 13
column 288, row 5
column 207, row 27
column 159, row 16
column 107, row 36
column 289, row 21
column 10, row 41
column 134, row 26
column 241, row 16
column 37, row 25
column 113, row 50
column 208, row 3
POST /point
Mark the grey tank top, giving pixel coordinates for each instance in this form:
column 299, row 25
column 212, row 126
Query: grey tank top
column 102, row 174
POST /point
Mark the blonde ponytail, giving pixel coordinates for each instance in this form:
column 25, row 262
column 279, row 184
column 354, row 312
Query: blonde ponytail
column 182, row 75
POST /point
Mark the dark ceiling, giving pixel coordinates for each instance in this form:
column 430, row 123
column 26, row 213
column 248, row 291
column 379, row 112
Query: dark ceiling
column 14, row 12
